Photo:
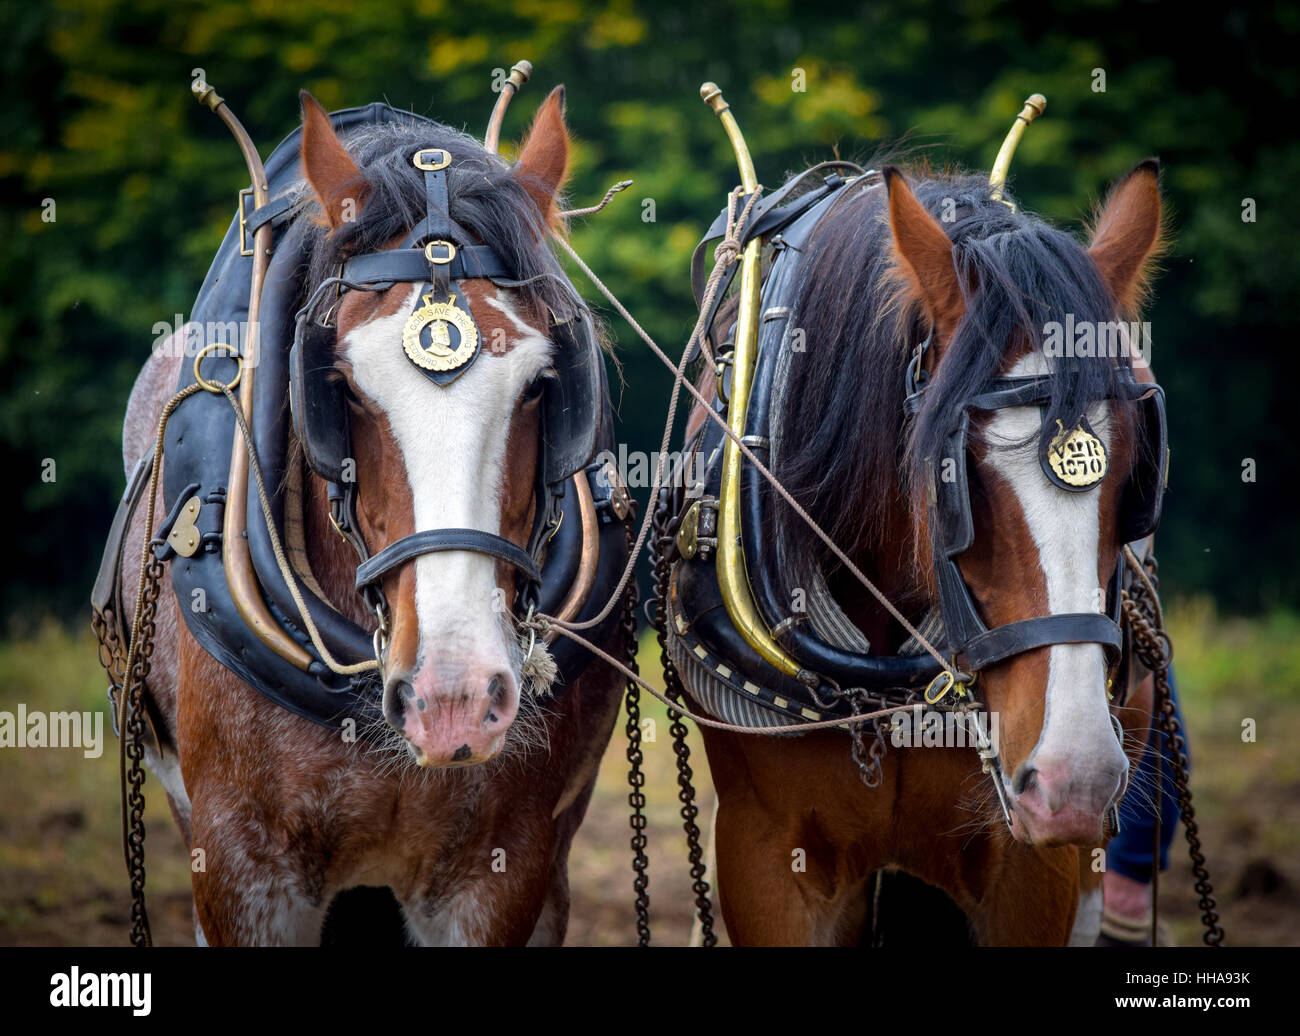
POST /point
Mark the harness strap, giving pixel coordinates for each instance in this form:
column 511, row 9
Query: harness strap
column 381, row 269
column 434, row 540
column 276, row 212
column 1015, row 638
column 767, row 218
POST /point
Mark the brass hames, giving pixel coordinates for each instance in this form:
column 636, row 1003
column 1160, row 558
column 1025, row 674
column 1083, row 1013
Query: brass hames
column 1035, row 105
column 733, row 583
column 236, row 559
column 518, row 77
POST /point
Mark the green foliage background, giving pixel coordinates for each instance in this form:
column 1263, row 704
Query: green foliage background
column 98, row 116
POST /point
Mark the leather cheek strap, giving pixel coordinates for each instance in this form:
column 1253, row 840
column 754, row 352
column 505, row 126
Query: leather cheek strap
column 434, row 541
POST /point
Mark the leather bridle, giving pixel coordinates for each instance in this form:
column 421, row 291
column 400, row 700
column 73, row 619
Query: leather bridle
column 970, row 641
column 437, row 252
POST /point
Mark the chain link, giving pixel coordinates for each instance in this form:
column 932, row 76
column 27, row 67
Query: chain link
column 141, row 661
column 635, row 775
column 1153, row 649
column 664, row 531
column 868, row 759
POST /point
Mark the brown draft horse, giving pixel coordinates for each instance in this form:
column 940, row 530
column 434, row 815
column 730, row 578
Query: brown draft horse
column 884, row 269
column 287, row 813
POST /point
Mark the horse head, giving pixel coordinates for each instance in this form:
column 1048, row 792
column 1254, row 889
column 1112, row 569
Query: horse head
column 444, row 435
column 993, row 288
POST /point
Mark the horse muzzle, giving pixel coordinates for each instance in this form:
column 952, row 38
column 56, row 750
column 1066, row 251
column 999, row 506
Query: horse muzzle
column 452, row 717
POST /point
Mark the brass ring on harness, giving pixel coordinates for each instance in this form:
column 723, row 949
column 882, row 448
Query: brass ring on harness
column 532, row 631
column 217, row 387
column 380, row 639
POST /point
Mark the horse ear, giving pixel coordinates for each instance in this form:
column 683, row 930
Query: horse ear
column 923, row 254
column 329, row 168
column 1127, row 236
column 544, row 157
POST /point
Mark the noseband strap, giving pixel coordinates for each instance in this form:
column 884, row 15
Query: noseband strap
column 433, row 541
column 1015, row 638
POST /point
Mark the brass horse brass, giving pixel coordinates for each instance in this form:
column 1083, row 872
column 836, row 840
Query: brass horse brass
column 440, row 354
column 1077, row 458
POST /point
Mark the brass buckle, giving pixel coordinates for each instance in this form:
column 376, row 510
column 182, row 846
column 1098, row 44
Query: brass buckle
column 946, row 682
column 244, row 248
column 440, row 260
column 431, row 165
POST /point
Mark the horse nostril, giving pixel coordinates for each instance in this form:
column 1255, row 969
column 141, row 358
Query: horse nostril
column 396, row 695
column 498, row 690
column 1024, row 779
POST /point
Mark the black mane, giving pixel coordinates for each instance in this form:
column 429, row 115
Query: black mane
column 485, row 196
column 843, row 437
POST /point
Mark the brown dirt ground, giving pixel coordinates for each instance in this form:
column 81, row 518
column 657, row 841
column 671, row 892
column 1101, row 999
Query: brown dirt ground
column 62, row 879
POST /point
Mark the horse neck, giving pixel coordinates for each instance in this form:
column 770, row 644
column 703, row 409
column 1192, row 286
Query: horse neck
column 890, row 565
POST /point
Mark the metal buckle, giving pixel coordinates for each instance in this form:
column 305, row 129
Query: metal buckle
column 244, row 248
column 947, row 681
column 440, row 260
column 431, row 165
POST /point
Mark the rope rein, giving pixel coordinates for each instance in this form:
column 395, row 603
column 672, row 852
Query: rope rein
column 725, row 255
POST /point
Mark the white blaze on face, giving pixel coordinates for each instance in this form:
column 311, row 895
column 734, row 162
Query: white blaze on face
column 1065, row 528
column 453, row 443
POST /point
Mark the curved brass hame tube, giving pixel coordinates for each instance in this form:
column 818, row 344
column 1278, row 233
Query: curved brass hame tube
column 518, row 77
column 236, row 560
column 1035, row 105
column 732, row 579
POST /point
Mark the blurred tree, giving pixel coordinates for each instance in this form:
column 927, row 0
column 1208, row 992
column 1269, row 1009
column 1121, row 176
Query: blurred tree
column 99, row 119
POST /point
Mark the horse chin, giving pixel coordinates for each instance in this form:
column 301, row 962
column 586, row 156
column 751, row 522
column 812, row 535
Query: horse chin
column 424, row 760
column 1067, row 827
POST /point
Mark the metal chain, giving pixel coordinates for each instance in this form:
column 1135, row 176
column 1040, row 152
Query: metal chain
column 1153, row 649
column 870, row 768
column 133, row 733
column 130, row 706
column 665, row 525
column 112, row 656
column 635, row 776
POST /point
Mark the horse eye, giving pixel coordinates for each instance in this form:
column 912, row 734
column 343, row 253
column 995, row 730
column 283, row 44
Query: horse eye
column 536, row 387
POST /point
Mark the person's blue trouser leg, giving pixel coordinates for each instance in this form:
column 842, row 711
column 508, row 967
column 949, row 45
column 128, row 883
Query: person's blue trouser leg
column 1129, row 852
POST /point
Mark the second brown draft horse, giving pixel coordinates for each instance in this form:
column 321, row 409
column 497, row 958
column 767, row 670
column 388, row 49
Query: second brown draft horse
column 905, row 258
